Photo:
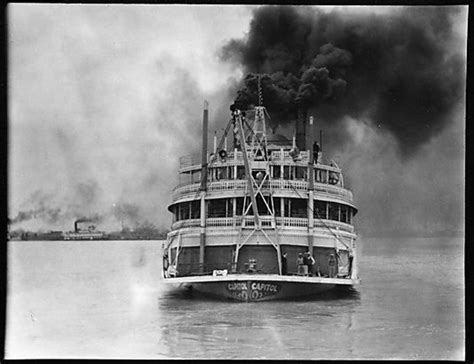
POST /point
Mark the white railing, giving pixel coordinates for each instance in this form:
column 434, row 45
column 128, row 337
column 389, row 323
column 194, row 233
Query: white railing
column 289, row 184
column 292, row 221
column 185, row 224
column 192, row 190
column 227, row 185
column 194, row 160
column 266, row 222
column 220, row 221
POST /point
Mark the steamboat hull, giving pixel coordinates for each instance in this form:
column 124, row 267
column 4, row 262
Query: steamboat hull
column 256, row 288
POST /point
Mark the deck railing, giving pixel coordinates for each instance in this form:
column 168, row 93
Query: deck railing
column 194, row 160
column 192, row 190
column 266, row 222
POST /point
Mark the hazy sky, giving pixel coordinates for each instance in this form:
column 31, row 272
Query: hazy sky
column 104, row 99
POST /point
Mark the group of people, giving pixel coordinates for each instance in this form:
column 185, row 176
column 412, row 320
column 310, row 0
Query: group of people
column 305, row 263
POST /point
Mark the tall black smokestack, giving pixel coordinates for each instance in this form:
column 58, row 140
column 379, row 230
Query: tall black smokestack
column 205, row 122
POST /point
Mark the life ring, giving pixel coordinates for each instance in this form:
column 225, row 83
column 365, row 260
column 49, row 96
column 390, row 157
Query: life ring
column 166, row 263
column 333, row 178
column 223, row 155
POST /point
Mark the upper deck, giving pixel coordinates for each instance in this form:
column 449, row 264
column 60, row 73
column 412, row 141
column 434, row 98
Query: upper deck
column 289, row 177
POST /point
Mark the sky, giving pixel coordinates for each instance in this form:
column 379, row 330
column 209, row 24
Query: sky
column 104, row 99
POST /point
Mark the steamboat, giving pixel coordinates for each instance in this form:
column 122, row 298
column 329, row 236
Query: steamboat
column 260, row 217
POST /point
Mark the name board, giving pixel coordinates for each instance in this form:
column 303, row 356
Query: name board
column 252, row 290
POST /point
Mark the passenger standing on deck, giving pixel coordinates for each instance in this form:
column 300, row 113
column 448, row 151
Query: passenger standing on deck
column 332, row 266
column 316, row 150
column 284, row 264
column 311, row 262
column 305, row 263
column 300, row 263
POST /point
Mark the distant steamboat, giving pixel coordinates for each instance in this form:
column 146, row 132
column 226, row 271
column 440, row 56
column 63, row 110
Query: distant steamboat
column 246, row 216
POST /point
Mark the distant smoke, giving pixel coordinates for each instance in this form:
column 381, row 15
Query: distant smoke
column 393, row 68
column 96, row 218
column 39, row 208
column 49, row 207
column 126, row 212
column 49, row 215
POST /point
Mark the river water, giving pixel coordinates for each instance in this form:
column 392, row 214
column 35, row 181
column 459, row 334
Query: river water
column 106, row 300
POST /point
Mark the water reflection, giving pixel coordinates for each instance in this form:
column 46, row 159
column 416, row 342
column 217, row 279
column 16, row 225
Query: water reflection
column 196, row 325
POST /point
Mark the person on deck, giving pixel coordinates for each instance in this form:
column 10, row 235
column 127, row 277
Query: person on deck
column 305, row 263
column 316, row 150
column 311, row 262
column 332, row 266
column 300, row 264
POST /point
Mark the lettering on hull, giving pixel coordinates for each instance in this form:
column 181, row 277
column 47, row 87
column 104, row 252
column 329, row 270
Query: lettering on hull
column 252, row 290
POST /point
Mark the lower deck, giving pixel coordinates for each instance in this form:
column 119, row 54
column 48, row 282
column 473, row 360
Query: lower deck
column 258, row 252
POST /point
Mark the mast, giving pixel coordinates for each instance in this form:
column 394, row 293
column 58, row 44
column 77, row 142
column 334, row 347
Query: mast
column 260, row 162
column 248, row 172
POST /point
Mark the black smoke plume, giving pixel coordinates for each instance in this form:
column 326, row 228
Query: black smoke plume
column 95, row 218
column 393, row 68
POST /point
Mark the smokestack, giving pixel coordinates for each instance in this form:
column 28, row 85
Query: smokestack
column 203, row 188
column 75, row 225
column 205, row 122
column 301, row 128
column 309, row 135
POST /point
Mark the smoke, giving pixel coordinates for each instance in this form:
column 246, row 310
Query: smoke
column 99, row 114
column 126, row 212
column 96, row 218
column 397, row 68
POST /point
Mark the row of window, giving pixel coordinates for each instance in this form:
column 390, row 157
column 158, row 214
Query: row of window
column 276, row 172
column 286, row 207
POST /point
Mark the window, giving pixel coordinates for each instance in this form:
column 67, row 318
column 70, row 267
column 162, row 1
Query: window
column 184, row 210
column 301, row 173
column 277, row 206
column 240, row 205
column 222, row 173
column 286, row 172
column 240, row 172
column 216, row 208
column 287, row 205
column 276, row 171
column 298, row 207
column 320, row 176
column 344, row 213
column 320, row 209
column 195, row 209
column 333, row 211
column 262, row 208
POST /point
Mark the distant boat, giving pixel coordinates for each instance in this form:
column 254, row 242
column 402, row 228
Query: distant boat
column 243, row 221
column 98, row 235
column 88, row 232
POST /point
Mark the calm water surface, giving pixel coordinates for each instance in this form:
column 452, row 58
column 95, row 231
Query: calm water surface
column 106, row 300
